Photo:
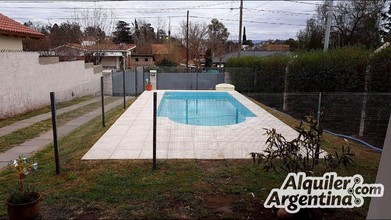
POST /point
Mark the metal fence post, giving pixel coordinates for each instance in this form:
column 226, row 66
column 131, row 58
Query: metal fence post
column 149, row 80
column 123, row 87
column 197, row 81
column 103, row 101
column 135, row 80
column 54, row 124
column 154, row 129
column 318, row 126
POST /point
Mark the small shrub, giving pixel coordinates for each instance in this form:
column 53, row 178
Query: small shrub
column 300, row 154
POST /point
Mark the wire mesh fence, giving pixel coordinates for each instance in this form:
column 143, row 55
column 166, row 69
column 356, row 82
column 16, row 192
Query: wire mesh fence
column 359, row 115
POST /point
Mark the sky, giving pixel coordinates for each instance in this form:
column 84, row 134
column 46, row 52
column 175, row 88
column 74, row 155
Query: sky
column 263, row 19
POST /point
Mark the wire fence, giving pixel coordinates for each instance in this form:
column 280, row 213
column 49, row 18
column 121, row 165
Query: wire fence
column 359, row 115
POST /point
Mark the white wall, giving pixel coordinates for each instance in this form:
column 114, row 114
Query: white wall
column 10, row 43
column 26, row 84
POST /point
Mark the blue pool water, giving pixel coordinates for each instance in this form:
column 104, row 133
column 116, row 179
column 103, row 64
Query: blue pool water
column 203, row 108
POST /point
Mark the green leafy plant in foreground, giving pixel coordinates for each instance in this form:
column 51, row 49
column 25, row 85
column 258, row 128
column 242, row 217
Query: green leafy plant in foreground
column 299, row 154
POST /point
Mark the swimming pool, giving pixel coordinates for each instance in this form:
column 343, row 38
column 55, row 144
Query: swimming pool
column 203, row 108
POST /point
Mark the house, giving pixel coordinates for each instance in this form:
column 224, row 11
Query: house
column 88, row 40
column 154, row 54
column 221, row 61
column 12, row 33
column 69, row 52
column 112, row 56
column 109, row 55
column 276, row 47
column 142, row 56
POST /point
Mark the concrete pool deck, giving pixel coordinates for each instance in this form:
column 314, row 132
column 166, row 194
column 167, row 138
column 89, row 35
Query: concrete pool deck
column 130, row 137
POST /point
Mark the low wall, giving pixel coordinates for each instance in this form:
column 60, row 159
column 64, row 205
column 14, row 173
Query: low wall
column 27, row 80
column 189, row 81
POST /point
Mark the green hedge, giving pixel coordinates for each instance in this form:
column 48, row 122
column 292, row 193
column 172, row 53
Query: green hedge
column 381, row 71
column 258, row 74
column 338, row 70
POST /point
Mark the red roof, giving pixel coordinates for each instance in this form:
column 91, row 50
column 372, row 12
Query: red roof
column 9, row 26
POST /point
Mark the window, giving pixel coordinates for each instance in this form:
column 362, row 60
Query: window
column 136, row 59
column 146, row 59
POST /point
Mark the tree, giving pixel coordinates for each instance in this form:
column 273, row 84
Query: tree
column 166, row 62
column 208, row 58
column 64, row 33
column 293, row 44
column 197, row 44
column 353, row 23
column 248, row 42
column 42, row 44
column 244, row 35
column 161, row 36
column 122, row 33
column 386, row 25
column 144, row 33
column 96, row 16
column 311, row 37
column 218, row 35
column 96, row 32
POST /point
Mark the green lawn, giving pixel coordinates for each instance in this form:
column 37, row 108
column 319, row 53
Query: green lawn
column 177, row 189
column 43, row 110
column 20, row 136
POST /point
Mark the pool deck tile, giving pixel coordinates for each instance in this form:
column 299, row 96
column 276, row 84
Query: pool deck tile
column 130, row 137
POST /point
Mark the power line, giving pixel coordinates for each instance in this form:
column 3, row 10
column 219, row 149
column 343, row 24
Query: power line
column 306, row 3
column 280, row 12
column 250, row 21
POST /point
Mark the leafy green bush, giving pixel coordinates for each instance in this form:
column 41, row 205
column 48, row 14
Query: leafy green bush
column 270, row 74
column 258, row 74
column 380, row 71
column 338, row 70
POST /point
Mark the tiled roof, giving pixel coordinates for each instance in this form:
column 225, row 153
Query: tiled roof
column 9, row 26
column 88, row 38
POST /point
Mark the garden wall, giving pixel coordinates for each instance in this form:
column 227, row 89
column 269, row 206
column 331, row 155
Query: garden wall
column 27, row 80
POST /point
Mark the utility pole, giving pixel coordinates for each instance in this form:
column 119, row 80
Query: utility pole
column 169, row 28
column 328, row 27
column 187, row 41
column 240, row 27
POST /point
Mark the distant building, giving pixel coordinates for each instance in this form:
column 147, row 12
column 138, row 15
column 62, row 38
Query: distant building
column 88, row 41
column 110, row 56
column 142, row 56
column 12, row 33
column 276, row 47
